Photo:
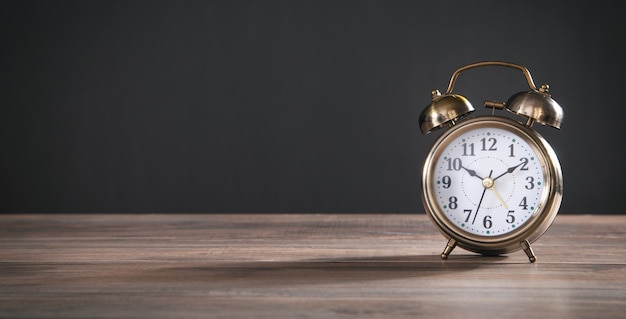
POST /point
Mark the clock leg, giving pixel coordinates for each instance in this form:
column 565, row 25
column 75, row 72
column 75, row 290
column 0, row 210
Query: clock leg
column 529, row 251
column 449, row 247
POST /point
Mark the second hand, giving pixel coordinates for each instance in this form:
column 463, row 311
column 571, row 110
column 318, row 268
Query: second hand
column 498, row 196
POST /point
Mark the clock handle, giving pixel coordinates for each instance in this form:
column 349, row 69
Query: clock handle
column 524, row 70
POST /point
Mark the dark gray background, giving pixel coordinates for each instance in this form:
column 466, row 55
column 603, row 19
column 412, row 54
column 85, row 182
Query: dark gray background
column 285, row 106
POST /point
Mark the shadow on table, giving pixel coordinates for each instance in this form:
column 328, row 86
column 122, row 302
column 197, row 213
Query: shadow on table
column 324, row 270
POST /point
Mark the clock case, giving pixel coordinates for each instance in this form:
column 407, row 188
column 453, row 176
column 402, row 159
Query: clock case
column 451, row 111
column 528, row 232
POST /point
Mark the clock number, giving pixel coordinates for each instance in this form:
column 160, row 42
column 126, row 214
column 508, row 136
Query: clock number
column 471, row 149
column 531, row 182
column 524, row 161
column 446, row 180
column 512, row 154
column 453, row 202
column 469, row 214
column 487, row 223
column 454, row 164
column 493, row 144
column 523, row 204
column 510, row 218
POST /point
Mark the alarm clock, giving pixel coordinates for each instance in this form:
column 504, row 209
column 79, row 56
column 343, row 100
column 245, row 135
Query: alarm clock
column 491, row 184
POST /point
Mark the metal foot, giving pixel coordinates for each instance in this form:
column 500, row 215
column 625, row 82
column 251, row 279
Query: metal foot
column 449, row 247
column 529, row 251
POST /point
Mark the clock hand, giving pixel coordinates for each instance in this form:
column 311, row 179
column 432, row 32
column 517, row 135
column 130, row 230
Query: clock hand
column 498, row 196
column 478, row 207
column 509, row 170
column 471, row 172
column 481, row 199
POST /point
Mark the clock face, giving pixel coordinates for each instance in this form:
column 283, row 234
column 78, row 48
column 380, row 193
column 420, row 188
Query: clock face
column 487, row 180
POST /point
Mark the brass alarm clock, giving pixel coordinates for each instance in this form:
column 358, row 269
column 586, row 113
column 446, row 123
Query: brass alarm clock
column 491, row 184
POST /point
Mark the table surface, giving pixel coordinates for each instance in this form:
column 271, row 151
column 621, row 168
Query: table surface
column 300, row 265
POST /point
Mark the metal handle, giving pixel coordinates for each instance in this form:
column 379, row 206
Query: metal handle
column 524, row 70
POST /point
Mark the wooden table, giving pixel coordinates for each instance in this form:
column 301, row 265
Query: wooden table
column 304, row 266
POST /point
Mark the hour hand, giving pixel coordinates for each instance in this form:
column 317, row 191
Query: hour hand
column 471, row 172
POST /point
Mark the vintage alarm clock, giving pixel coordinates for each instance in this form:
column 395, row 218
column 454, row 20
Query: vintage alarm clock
column 491, row 184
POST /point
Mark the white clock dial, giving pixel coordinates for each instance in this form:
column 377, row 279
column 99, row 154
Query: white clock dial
column 488, row 181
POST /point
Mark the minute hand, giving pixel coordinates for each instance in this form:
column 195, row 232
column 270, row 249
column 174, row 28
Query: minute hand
column 509, row 170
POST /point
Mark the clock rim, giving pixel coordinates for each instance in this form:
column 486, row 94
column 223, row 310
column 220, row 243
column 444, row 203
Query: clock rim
column 535, row 226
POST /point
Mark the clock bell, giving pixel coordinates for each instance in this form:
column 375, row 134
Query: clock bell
column 535, row 105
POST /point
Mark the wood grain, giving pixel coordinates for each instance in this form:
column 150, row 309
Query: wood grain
column 299, row 265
